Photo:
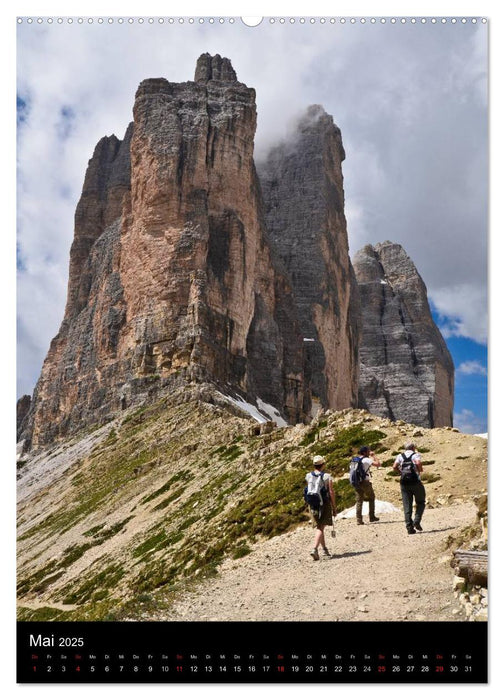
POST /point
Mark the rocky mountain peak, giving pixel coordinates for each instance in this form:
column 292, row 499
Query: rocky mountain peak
column 214, row 68
column 406, row 370
column 172, row 276
column 302, row 184
column 316, row 122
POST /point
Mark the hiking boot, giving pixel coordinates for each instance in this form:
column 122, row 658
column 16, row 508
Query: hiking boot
column 360, row 522
column 418, row 527
column 314, row 555
column 326, row 553
column 411, row 530
column 374, row 519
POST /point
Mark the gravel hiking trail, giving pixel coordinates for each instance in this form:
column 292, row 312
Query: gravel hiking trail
column 376, row 572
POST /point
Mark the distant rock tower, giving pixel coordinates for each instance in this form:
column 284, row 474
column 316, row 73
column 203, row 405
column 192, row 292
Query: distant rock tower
column 302, row 185
column 406, row 370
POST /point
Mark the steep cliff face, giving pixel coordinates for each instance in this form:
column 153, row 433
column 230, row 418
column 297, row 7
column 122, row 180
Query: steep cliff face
column 210, row 304
column 302, row 185
column 107, row 181
column 406, row 370
column 171, row 274
column 78, row 382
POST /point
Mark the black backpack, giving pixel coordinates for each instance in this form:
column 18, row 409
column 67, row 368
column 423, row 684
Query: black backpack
column 408, row 471
column 357, row 471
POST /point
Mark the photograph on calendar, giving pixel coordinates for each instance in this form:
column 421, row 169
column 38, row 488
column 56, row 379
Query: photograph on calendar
column 252, row 320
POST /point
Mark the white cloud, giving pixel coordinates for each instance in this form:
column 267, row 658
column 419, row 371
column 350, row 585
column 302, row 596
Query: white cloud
column 472, row 367
column 463, row 310
column 468, row 422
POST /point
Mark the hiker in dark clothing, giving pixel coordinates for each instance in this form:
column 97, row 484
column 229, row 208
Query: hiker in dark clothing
column 364, row 489
column 409, row 466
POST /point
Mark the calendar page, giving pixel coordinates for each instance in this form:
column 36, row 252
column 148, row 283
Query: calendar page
column 252, row 349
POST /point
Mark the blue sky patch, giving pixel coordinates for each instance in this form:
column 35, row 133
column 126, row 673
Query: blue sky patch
column 66, row 192
column 22, row 110
column 66, row 123
column 471, row 382
column 20, row 262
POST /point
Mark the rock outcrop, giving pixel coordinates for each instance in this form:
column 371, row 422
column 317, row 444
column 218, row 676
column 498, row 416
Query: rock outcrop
column 406, row 370
column 302, row 185
column 22, row 409
column 172, row 277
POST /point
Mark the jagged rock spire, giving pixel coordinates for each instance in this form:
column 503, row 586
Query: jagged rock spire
column 214, row 68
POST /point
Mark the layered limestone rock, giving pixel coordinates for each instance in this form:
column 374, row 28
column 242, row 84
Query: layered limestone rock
column 302, row 186
column 171, row 274
column 406, row 370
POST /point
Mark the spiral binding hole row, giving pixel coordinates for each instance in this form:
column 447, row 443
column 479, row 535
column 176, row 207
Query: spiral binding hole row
column 271, row 20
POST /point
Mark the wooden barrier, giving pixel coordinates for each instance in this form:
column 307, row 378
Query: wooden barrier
column 473, row 566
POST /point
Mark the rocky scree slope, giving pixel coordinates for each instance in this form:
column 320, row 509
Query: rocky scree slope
column 117, row 522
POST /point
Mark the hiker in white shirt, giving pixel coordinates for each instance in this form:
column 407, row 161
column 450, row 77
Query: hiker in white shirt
column 322, row 515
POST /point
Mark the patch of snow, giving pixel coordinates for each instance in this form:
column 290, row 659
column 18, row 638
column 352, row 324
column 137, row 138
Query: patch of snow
column 261, row 413
column 246, row 407
column 481, row 435
column 272, row 412
column 383, row 282
column 380, row 507
column 309, row 340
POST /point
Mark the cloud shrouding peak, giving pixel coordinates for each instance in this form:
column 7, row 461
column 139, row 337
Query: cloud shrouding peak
column 405, row 98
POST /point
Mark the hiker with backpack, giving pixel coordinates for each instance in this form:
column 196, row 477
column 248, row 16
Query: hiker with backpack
column 409, row 466
column 360, row 478
column 319, row 495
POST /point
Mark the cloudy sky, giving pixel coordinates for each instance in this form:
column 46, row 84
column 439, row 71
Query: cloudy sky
column 410, row 99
